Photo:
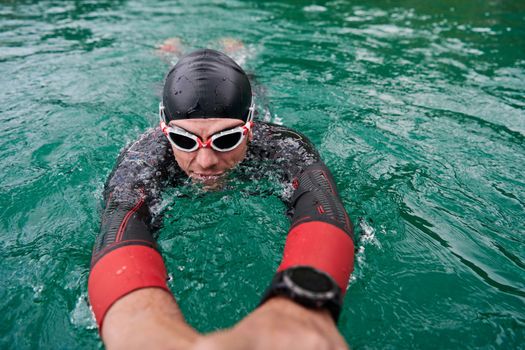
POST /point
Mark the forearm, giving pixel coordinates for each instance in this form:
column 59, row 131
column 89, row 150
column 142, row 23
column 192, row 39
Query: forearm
column 125, row 256
column 319, row 249
column 147, row 318
column 279, row 324
column 132, row 303
column 127, row 284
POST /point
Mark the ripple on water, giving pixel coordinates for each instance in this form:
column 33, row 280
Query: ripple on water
column 417, row 108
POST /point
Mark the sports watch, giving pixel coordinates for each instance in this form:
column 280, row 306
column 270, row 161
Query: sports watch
column 309, row 287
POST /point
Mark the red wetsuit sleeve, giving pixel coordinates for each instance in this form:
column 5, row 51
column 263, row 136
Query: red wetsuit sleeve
column 122, row 271
column 323, row 246
column 125, row 256
column 321, row 235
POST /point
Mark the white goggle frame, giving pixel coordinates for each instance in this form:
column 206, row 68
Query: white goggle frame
column 244, row 130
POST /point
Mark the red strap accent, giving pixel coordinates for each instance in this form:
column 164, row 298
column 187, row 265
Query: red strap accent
column 122, row 271
column 124, row 223
column 322, row 246
column 163, row 127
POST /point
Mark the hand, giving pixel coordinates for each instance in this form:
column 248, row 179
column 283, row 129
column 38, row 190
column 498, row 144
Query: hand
column 231, row 45
column 278, row 324
column 171, row 46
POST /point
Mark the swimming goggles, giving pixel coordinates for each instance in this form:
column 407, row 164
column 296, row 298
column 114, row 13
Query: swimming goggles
column 222, row 141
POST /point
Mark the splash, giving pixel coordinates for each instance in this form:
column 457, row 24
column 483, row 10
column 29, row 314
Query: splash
column 367, row 237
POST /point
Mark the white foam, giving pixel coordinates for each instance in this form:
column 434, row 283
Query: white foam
column 314, row 8
column 82, row 314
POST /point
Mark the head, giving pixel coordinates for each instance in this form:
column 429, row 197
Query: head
column 207, row 108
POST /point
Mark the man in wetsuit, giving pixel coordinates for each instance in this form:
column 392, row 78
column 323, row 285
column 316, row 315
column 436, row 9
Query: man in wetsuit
column 207, row 129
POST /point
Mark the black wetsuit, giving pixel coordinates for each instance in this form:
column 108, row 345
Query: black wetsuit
column 145, row 167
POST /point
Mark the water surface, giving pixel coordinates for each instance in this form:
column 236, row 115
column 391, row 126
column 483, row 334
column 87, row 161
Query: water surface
column 418, row 109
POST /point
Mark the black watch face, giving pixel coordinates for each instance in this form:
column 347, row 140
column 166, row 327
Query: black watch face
column 311, row 280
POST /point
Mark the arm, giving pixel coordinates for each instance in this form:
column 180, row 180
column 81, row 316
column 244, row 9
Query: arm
column 127, row 283
column 321, row 233
column 279, row 324
column 147, row 318
column 321, row 236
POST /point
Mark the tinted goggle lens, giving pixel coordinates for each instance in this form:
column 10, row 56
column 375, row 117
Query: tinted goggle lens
column 226, row 142
column 183, row 142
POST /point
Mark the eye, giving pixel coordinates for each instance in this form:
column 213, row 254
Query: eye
column 227, row 141
column 182, row 141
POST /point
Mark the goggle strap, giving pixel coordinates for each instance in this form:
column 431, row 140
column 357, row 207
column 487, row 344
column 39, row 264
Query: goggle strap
column 162, row 116
column 251, row 110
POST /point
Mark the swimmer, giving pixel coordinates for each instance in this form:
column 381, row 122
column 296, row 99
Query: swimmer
column 206, row 129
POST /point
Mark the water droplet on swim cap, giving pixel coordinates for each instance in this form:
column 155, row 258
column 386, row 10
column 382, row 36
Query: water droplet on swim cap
column 206, row 84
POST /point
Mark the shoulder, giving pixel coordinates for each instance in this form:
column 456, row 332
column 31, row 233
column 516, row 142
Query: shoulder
column 151, row 146
column 280, row 141
column 283, row 144
column 284, row 151
column 142, row 163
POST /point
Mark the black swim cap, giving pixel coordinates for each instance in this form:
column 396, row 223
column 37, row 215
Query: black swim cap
column 206, row 84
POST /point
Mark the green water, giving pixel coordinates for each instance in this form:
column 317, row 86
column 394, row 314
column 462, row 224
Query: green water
column 417, row 107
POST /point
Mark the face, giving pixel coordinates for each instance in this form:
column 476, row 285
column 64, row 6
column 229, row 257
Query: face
column 205, row 165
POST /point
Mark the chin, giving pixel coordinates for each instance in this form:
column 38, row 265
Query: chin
column 213, row 182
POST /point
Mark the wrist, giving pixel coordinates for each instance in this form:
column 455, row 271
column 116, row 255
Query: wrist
column 287, row 307
column 307, row 287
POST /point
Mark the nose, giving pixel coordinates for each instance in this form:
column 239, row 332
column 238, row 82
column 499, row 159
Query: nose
column 206, row 158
